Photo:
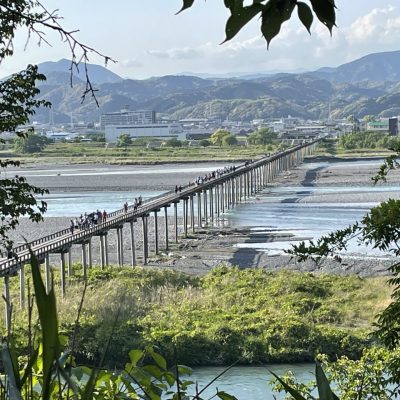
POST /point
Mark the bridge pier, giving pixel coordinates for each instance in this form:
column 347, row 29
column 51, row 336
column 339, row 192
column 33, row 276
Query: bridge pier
column 192, row 214
column 105, row 239
column 212, row 206
column 120, row 246
column 47, row 273
column 133, row 250
column 145, row 239
column 166, row 227
column 89, row 248
column 62, row 274
column 176, row 221
column 156, row 231
column 185, row 217
column 199, row 221
column 22, row 287
column 69, row 271
column 205, row 207
column 102, row 250
column 7, row 302
column 84, row 265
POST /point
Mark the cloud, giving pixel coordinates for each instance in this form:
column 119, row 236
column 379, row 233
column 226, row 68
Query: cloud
column 185, row 53
column 131, row 63
column 294, row 49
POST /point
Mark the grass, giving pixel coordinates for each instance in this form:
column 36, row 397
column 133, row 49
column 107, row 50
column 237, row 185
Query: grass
column 78, row 153
column 227, row 315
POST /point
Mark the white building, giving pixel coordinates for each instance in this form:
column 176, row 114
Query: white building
column 136, row 131
column 128, row 117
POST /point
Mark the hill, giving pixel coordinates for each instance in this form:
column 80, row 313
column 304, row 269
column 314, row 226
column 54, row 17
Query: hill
column 369, row 85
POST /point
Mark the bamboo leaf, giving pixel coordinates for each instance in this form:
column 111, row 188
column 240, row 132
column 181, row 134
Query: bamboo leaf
column 225, row 396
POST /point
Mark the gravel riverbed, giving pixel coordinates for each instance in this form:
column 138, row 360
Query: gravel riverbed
column 217, row 244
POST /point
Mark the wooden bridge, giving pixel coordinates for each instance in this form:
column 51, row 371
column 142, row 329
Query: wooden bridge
column 202, row 204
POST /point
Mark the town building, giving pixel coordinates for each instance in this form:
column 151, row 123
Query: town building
column 152, row 131
column 128, row 117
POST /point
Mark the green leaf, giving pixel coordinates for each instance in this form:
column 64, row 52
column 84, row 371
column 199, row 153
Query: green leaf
column 135, row 356
column 325, row 11
column 186, row 4
column 239, row 18
column 271, row 24
column 286, row 9
column 153, row 370
column 28, row 368
column 324, row 390
column 305, row 15
column 159, row 359
column 47, row 310
column 233, row 4
column 288, row 389
column 225, row 396
column 6, row 358
column 90, row 385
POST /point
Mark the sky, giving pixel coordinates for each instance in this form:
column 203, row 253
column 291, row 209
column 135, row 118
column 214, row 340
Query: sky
column 147, row 39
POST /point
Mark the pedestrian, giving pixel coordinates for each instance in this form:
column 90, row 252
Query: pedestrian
column 126, row 207
column 71, row 227
column 104, row 216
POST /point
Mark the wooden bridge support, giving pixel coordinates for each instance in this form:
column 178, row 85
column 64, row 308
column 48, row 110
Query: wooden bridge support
column 7, row 302
column 185, row 217
column 22, row 287
column 145, row 240
column 205, row 207
column 62, row 274
column 192, row 225
column 133, row 249
column 120, row 246
column 166, row 227
column 176, row 221
column 70, row 269
column 89, row 249
column 84, row 264
column 47, row 273
column 102, row 251
column 199, row 219
column 105, row 240
column 156, row 231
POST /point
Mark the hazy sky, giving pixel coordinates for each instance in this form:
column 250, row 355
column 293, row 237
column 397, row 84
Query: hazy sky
column 147, row 39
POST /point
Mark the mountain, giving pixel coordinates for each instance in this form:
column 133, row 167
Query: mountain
column 369, row 85
column 383, row 66
column 97, row 73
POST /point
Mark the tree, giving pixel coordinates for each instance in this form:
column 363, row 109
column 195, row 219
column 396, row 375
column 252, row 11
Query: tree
column 218, row 135
column 205, row 143
column 273, row 13
column 229, row 140
column 18, row 101
column 262, row 137
column 124, row 140
column 174, row 142
column 32, row 143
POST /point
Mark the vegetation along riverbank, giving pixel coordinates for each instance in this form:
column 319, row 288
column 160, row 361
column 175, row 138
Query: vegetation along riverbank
column 227, row 315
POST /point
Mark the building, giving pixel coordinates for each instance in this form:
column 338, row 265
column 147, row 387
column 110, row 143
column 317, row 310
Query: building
column 381, row 125
column 128, row 117
column 393, row 126
column 152, row 131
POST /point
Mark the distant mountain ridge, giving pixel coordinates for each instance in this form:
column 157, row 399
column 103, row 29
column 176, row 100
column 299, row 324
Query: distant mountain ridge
column 97, row 73
column 369, row 85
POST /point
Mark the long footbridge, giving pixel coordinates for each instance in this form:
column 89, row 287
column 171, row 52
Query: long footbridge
column 202, row 204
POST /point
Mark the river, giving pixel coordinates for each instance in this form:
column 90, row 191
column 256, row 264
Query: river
column 303, row 209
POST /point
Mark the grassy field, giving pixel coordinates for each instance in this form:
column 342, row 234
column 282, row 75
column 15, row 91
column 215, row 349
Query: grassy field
column 79, row 153
column 227, row 315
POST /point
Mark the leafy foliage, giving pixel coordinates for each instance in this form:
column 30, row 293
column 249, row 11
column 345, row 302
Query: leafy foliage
column 124, row 140
column 262, row 137
column 32, row 143
column 367, row 140
column 273, row 13
column 218, row 136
